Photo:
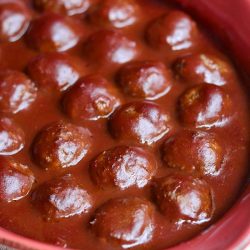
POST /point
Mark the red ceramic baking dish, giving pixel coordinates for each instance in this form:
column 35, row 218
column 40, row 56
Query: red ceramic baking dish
column 229, row 20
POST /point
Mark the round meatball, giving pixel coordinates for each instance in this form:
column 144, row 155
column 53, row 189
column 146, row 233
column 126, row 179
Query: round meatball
column 145, row 79
column 14, row 20
column 66, row 7
column 52, row 32
column 123, row 167
column 195, row 151
column 174, row 31
column 126, row 222
column 184, row 198
column 11, row 137
column 61, row 145
column 16, row 180
column 142, row 122
column 17, row 91
column 200, row 68
column 115, row 13
column 109, row 46
column 55, row 70
column 205, row 105
column 61, row 197
column 91, row 98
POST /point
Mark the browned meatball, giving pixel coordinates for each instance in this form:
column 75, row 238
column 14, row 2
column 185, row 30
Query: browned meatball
column 52, row 32
column 68, row 7
column 174, row 31
column 61, row 145
column 195, row 151
column 91, row 98
column 126, row 222
column 11, row 137
column 115, row 13
column 205, row 105
column 55, row 70
column 14, row 20
column 17, row 91
column 61, row 197
column 109, row 46
column 142, row 122
column 123, row 167
column 16, row 180
column 184, row 198
column 145, row 79
column 200, row 68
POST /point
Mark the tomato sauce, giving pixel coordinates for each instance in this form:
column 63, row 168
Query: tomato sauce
column 122, row 125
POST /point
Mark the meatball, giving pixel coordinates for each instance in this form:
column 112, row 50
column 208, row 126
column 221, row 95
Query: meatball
column 194, row 151
column 145, row 79
column 126, row 222
column 115, row 13
column 61, row 145
column 123, row 167
column 61, row 197
column 16, row 180
column 184, row 198
column 14, row 20
column 55, row 70
column 200, row 68
column 204, row 106
column 66, row 7
column 52, row 32
column 91, row 98
column 109, row 46
column 11, row 137
column 174, row 31
column 142, row 122
column 17, row 91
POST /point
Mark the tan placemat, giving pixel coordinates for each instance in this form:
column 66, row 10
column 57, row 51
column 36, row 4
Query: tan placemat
column 2, row 247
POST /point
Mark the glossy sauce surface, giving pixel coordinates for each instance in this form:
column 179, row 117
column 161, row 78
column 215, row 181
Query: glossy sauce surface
column 121, row 124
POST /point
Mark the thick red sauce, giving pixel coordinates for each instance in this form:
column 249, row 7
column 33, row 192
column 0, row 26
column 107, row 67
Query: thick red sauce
column 122, row 125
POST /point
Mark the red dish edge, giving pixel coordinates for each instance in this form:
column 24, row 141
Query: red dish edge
column 229, row 22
